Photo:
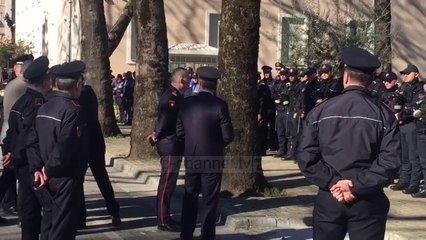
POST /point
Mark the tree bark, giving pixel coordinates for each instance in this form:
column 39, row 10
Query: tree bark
column 238, row 53
column 95, row 54
column 152, row 71
column 383, row 41
column 117, row 31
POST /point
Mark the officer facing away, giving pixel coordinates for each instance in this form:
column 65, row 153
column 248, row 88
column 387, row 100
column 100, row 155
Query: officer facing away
column 204, row 152
column 59, row 150
column 350, row 148
column 21, row 119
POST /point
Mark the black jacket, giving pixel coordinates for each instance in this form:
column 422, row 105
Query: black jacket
column 170, row 103
column 410, row 93
column 60, row 140
column 89, row 106
column 204, row 125
column 21, row 120
column 352, row 136
column 264, row 98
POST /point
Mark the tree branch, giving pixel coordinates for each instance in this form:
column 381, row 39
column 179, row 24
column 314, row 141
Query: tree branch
column 117, row 31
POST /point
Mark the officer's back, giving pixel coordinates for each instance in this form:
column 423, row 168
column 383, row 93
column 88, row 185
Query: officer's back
column 210, row 137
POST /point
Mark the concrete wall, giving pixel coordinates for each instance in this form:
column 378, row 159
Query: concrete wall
column 409, row 35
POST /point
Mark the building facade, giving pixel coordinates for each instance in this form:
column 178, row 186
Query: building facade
column 193, row 29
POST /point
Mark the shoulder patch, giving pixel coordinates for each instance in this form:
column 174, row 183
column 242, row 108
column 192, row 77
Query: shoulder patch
column 38, row 101
column 172, row 103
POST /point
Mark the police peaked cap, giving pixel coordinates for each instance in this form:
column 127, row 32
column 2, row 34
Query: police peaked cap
column 359, row 59
column 292, row 72
column 72, row 69
column 325, row 68
column 309, row 71
column 278, row 65
column 266, row 68
column 37, row 69
column 389, row 77
column 19, row 60
column 208, row 73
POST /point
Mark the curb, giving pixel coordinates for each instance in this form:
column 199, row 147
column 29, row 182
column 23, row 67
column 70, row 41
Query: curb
column 150, row 176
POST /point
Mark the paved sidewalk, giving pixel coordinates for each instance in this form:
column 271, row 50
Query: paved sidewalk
column 407, row 217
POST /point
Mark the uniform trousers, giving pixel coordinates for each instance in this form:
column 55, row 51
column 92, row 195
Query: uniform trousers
column 272, row 132
column 363, row 219
column 170, row 160
column 410, row 163
column 281, row 131
column 208, row 184
column 421, row 146
column 8, row 196
column 30, row 204
column 97, row 166
column 65, row 194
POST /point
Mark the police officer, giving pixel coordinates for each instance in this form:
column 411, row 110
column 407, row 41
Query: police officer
column 58, row 150
column 329, row 86
column 392, row 96
column 410, row 175
column 351, row 152
column 270, row 118
column 278, row 67
column 281, row 101
column 292, row 111
column 420, row 120
column 89, row 106
column 308, row 84
column 13, row 91
column 204, row 152
column 21, row 119
column 263, row 99
column 168, row 148
column 377, row 87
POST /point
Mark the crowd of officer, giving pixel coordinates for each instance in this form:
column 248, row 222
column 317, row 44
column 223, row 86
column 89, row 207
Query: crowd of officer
column 52, row 136
column 293, row 93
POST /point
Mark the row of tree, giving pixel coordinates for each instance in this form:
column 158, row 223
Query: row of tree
column 238, row 56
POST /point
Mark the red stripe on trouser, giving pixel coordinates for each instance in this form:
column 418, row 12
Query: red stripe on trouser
column 169, row 161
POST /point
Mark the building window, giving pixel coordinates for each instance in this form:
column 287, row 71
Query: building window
column 293, row 39
column 131, row 42
column 213, row 29
column 191, row 61
column 2, row 2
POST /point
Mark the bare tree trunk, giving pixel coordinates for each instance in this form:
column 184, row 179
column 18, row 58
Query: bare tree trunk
column 383, row 41
column 117, row 31
column 238, row 53
column 96, row 55
column 152, row 71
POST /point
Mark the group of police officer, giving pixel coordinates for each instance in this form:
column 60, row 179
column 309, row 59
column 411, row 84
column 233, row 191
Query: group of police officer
column 285, row 101
column 53, row 136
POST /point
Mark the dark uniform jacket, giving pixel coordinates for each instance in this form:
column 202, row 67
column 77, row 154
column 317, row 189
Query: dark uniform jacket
column 61, row 137
column 393, row 99
column 170, row 102
column 204, row 125
column 307, row 95
column 89, row 106
column 377, row 88
column 353, row 136
column 409, row 92
column 21, row 120
column 263, row 98
column 328, row 89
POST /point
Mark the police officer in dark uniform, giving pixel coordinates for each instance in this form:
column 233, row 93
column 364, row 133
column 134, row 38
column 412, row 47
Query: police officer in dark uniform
column 168, row 148
column 410, row 175
column 281, row 101
column 204, row 152
column 420, row 120
column 392, row 97
column 278, row 67
column 264, row 99
column 377, row 87
column 272, row 133
column 351, row 152
column 21, row 119
column 292, row 111
column 89, row 105
column 308, row 84
column 58, row 150
column 329, row 86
